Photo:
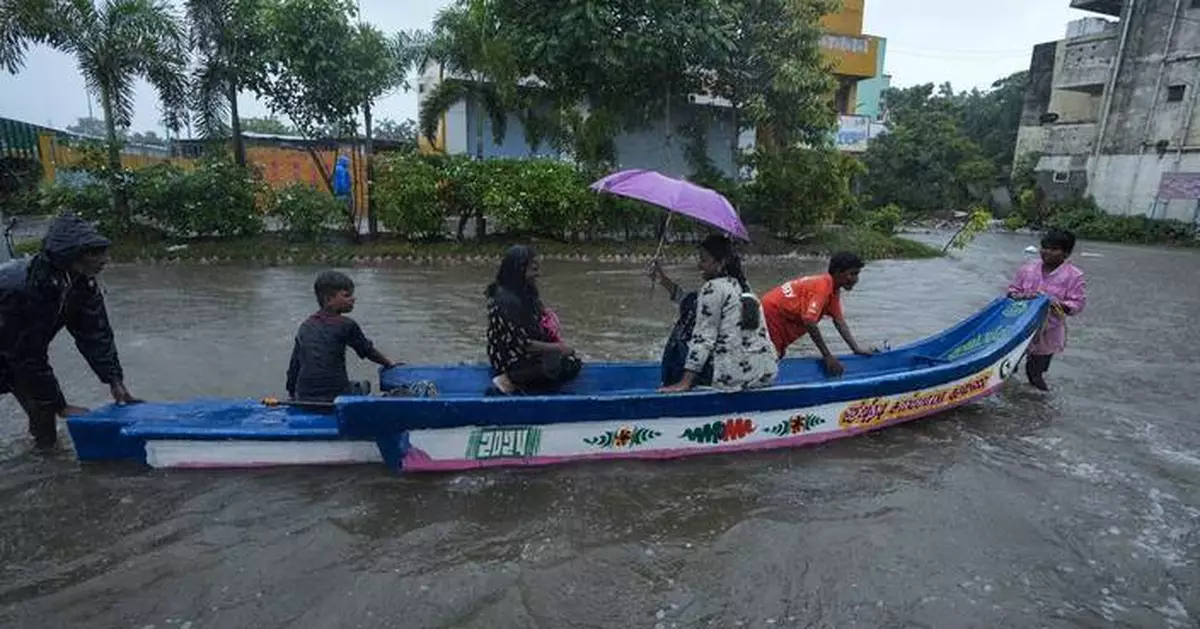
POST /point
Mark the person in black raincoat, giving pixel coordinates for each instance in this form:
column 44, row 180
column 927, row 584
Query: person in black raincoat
column 38, row 297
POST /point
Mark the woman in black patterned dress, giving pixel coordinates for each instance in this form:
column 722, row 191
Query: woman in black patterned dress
column 524, row 348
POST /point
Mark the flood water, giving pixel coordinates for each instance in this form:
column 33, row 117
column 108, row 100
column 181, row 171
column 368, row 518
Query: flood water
column 1073, row 509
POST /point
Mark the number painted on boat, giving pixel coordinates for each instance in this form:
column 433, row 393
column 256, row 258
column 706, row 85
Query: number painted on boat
column 504, row 443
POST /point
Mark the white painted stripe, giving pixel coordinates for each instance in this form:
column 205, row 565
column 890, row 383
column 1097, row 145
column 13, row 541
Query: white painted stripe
column 169, row 453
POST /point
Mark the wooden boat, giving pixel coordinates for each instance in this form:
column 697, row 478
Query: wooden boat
column 610, row 412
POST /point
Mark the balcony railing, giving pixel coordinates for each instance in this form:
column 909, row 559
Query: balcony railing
column 1087, row 63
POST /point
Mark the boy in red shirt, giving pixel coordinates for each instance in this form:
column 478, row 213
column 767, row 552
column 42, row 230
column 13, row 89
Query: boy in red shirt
column 796, row 307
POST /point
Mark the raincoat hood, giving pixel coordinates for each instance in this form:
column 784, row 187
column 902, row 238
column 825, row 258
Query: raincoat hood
column 69, row 237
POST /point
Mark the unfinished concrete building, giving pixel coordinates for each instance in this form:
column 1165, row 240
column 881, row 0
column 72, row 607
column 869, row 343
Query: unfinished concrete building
column 1111, row 108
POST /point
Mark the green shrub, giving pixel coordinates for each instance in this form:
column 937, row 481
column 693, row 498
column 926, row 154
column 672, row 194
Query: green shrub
column 795, row 190
column 90, row 201
column 408, row 194
column 1088, row 221
column 216, row 198
column 1014, row 222
column 884, row 220
column 19, row 179
column 306, row 213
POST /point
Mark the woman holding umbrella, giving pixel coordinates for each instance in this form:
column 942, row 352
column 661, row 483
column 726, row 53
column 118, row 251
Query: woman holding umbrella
column 721, row 337
column 728, row 347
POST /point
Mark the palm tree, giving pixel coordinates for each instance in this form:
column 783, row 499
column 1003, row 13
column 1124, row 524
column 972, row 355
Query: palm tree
column 226, row 37
column 465, row 43
column 115, row 43
column 22, row 22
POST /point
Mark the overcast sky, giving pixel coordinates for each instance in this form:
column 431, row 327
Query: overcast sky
column 970, row 43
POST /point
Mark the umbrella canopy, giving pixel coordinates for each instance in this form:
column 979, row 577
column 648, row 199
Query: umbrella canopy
column 676, row 195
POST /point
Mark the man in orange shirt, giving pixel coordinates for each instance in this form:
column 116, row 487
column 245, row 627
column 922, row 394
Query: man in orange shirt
column 796, row 307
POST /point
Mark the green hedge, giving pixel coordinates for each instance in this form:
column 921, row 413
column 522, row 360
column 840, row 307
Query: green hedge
column 1089, row 222
column 417, row 197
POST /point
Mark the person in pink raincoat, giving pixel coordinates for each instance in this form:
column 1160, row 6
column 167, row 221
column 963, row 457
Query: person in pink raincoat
column 1064, row 284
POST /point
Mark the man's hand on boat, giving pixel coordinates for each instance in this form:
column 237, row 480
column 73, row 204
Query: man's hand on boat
column 71, row 411
column 121, row 395
column 833, row 366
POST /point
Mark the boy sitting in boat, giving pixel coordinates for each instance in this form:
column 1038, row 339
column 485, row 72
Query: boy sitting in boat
column 1051, row 275
column 317, row 372
column 794, row 309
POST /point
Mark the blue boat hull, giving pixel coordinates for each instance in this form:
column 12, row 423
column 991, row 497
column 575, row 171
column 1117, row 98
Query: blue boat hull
column 610, row 411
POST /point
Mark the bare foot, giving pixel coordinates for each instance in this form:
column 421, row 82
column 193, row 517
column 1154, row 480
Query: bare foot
column 504, row 384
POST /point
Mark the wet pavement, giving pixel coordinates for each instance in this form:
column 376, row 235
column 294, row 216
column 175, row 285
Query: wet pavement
column 1073, row 509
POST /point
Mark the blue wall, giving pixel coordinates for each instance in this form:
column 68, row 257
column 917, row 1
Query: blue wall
column 645, row 147
column 870, row 92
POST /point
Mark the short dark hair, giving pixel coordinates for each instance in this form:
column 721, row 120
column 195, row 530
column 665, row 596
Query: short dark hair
column 844, row 261
column 329, row 283
column 1059, row 239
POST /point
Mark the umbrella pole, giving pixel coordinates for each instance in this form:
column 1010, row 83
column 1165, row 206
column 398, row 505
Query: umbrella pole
column 658, row 252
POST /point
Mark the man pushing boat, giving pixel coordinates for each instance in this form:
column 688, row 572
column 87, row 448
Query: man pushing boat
column 38, row 297
column 794, row 309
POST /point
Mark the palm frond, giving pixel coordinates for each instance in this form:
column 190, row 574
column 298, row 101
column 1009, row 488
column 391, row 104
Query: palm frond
column 493, row 105
column 437, row 103
column 210, row 100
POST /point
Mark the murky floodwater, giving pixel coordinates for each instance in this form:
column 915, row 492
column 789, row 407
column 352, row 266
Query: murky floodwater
column 1074, row 510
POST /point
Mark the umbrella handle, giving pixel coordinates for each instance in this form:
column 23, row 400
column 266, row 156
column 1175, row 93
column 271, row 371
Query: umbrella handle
column 658, row 252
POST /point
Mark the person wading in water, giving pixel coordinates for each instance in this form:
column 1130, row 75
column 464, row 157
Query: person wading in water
column 39, row 296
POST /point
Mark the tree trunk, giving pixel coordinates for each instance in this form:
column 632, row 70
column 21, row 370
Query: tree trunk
column 120, row 200
column 369, row 152
column 733, row 144
column 235, row 123
column 480, row 218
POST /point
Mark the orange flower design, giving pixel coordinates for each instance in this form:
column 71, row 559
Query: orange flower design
column 623, row 437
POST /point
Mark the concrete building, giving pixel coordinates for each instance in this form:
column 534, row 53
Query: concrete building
column 857, row 61
column 857, row 58
column 871, row 91
column 1112, row 108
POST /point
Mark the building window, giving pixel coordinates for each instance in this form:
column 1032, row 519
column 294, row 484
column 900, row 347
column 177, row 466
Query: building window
column 1175, row 93
column 1196, row 4
column 1061, row 176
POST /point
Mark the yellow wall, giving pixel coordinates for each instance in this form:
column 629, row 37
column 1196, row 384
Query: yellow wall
column 280, row 167
column 852, row 54
column 54, row 156
column 848, row 21
column 855, row 56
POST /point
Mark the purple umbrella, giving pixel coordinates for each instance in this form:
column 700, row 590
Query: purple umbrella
column 676, row 195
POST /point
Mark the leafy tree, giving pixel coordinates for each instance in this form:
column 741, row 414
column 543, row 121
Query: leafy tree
column 322, row 69
column 991, row 118
column 89, row 126
column 272, row 126
column 468, row 44
column 607, row 66
column 24, row 22
column 115, row 43
column 149, row 137
column 228, row 40
column 774, row 75
column 926, row 162
column 403, row 131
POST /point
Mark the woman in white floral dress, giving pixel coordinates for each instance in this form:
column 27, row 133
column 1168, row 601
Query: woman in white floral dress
column 729, row 338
